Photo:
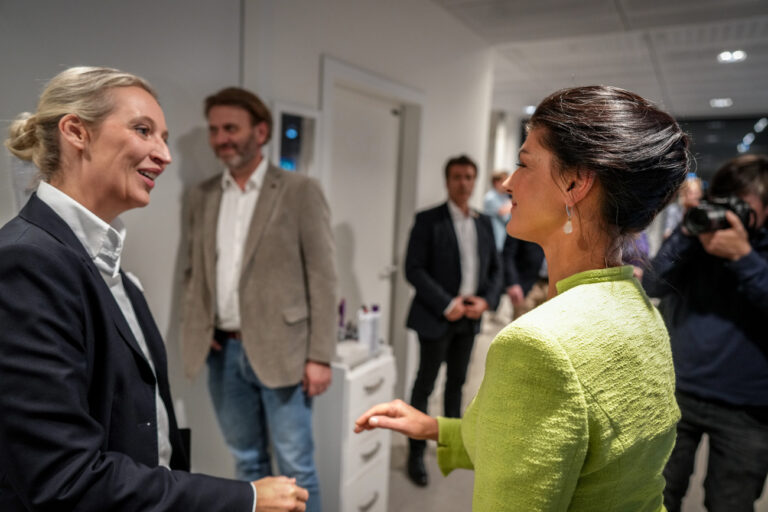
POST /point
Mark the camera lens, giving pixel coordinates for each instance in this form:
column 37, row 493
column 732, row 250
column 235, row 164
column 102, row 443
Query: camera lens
column 704, row 218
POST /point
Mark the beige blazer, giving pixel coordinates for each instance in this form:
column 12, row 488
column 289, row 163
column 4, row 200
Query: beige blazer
column 287, row 284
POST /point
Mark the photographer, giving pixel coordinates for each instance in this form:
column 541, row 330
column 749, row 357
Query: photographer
column 712, row 276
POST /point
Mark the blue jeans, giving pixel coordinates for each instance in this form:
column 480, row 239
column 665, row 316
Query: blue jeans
column 738, row 454
column 251, row 415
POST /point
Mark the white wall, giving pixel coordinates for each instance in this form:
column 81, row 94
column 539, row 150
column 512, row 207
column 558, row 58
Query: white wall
column 186, row 49
column 414, row 43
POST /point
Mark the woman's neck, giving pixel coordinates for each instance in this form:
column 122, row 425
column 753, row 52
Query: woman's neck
column 569, row 254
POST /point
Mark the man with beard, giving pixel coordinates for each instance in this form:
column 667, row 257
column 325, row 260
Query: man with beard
column 259, row 298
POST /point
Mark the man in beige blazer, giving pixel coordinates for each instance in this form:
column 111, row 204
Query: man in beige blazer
column 259, row 303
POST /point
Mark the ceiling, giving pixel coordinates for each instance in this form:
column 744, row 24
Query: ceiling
column 665, row 50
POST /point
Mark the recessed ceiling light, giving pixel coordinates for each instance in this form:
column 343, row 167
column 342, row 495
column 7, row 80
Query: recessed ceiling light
column 742, row 148
column 727, row 57
column 720, row 102
column 761, row 124
column 530, row 109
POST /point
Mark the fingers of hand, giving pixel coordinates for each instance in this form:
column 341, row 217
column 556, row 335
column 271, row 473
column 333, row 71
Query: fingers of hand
column 396, row 424
column 384, row 409
column 734, row 220
column 316, row 389
column 302, row 494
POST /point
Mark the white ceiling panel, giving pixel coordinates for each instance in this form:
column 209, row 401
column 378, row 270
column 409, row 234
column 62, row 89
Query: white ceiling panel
column 665, row 50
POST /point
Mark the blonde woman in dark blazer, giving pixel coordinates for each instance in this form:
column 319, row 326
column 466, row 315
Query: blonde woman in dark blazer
column 86, row 416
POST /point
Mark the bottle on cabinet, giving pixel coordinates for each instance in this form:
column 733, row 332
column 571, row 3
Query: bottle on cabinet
column 368, row 328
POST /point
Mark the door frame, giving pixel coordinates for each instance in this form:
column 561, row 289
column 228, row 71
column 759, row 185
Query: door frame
column 335, row 72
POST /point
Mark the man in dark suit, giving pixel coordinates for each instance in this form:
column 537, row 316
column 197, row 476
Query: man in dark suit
column 453, row 264
column 525, row 279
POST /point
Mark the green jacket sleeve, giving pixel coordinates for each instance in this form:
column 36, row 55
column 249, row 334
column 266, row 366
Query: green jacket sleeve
column 527, row 430
column 450, row 447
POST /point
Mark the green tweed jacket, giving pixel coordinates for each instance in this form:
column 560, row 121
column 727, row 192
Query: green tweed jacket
column 576, row 410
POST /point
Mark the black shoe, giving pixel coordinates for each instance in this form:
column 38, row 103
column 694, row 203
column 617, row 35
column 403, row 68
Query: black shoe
column 416, row 470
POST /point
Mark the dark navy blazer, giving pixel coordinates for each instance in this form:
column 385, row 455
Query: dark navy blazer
column 433, row 267
column 521, row 261
column 77, row 397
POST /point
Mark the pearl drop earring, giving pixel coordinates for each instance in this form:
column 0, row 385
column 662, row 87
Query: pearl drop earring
column 568, row 227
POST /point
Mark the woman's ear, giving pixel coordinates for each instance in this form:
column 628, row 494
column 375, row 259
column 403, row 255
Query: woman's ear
column 578, row 186
column 73, row 131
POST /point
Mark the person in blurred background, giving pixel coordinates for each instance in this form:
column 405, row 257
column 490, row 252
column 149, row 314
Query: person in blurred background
column 260, row 295
column 714, row 289
column 688, row 197
column 497, row 205
column 453, row 265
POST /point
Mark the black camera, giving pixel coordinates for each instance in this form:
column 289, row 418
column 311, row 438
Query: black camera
column 710, row 215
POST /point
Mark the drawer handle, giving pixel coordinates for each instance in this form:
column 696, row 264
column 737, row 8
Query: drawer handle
column 370, row 454
column 372, row 388
column 370, row 504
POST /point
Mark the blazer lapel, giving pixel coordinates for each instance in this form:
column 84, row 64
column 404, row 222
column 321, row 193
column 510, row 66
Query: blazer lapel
column 40, row 214
column 147, row 324
column 210, row 205
column 262, row 214
column 447, row 226
column 117, row 315
column 483, row 239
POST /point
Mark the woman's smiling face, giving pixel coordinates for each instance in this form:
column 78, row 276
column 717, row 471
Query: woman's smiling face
column 127, row 151
column 538, row 199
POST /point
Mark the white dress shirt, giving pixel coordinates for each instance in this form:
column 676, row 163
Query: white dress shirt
column 466, row 233
column 104, row 244
column 235, row 214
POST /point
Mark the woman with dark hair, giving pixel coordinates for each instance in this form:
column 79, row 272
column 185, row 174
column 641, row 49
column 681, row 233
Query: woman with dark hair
column 576, row 410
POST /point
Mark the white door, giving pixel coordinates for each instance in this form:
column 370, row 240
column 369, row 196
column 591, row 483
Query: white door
column 364, row 144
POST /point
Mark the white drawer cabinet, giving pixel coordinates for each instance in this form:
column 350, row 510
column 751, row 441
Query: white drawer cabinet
column 354, row 468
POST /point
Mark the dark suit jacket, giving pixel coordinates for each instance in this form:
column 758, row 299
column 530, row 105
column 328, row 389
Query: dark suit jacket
column 521, row 261
column 77, row 403
column 433, row 267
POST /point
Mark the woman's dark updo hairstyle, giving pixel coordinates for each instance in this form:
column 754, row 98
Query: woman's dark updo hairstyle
column 638, row 153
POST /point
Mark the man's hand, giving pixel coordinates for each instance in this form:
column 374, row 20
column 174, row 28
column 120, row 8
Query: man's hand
column 317, row 378
column 280, row 494
column 731, row 244
column 474, row 307
column 400, row 417
column 457, row 311
column 215, row 345
column 516, row 294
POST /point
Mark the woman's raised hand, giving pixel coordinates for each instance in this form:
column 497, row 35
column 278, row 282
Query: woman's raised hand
column 400, row 417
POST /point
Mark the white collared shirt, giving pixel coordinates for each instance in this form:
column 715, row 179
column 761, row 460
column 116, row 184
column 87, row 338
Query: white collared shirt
column 104, row 244
column 466, row 234
column 235, row 213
